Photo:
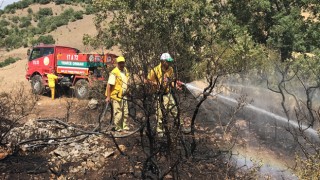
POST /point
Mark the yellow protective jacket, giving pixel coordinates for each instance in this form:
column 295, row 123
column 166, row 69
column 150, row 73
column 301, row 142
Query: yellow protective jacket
column 156, row 75
column 52, row 80
column 116, row 90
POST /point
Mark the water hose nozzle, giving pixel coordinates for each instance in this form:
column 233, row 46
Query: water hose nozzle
column 181, row 83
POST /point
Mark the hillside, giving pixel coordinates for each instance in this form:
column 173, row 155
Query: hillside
column 66, row 35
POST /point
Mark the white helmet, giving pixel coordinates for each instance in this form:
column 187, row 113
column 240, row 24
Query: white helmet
column 166, row 57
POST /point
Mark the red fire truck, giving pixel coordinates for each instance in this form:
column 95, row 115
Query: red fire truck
column 75, row 69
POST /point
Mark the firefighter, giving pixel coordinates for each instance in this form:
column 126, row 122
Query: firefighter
column 116, row 94
column 52, row 78
column 161, row 78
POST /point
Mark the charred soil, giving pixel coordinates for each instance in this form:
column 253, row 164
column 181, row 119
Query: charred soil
column 85, row 153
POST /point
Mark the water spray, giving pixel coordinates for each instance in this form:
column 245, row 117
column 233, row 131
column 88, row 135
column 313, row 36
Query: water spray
column 290, row 122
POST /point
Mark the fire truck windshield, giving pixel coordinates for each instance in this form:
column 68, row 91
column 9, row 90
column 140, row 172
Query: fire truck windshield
column 36, row 53
column 40, row 52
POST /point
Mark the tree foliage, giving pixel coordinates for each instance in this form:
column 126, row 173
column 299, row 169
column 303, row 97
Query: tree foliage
column 48, row 39
column 189, row 30
column 286, row 26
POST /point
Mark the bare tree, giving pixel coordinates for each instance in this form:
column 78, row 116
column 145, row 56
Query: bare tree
column 14, row 107
column 298, row 86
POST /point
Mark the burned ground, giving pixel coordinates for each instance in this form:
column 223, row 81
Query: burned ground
column 87, row 154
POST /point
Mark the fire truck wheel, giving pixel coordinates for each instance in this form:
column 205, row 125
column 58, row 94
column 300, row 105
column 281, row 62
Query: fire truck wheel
column 81, row 89
column 37, row 85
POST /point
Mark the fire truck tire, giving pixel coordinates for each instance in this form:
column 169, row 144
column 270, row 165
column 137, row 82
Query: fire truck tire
column 81, row 89
column 37, row 85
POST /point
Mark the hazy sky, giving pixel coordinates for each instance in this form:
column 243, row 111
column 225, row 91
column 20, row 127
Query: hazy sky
column 6, row 2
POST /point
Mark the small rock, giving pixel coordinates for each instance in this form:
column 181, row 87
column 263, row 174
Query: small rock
column 73, row 169
column 83, row 163
column 168, row 176
column 74, row 152
column 98, row 165
column 95, row 158
column 93, row 104
column 72, row 144
column 60, row 153
column 108, row 154
column 70, row 128
column 102, row 160
column 3, row 155
column 90, row 164
column 122, row 147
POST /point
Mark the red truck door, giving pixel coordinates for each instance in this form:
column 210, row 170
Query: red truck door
column 41, row 60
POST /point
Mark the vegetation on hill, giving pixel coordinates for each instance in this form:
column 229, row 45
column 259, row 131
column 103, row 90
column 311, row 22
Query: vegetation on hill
column 8, row 61
column 23, row 31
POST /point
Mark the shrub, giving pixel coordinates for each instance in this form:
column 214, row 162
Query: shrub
column 43, row 12
column 78, row 15
column 90, row 9
column 67, row 13
column 58, row 2
column 30, row 11
column 46, row 39
column 15, row 19
column 11, row 8
column 8, row 61
column 4, row 23
column 44, row 1
column 22, row 4
column 3, row 31
column 13, row 41
column 25, row 22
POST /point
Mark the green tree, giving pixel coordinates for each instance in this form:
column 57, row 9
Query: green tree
column 44, row 1
column 3, row 31
column 58, row 2
column 30, row 11
column 279, row 24
column 189, row 30
column 25, row 22
column 48, row 39
column 44, row 12
column 4, row 23
column 78, row 15
column 15, row 19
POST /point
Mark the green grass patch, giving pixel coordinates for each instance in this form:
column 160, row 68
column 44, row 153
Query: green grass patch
column 8, row 61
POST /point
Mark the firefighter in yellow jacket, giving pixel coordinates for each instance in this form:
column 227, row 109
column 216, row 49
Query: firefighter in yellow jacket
column 116, row 94
column 52, row 78
column 160, row 77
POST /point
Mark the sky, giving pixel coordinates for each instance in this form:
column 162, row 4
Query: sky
column 7, row 2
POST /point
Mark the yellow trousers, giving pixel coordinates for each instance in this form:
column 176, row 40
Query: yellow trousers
column 120, row 114
column 52, row 92
column 170, row 108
